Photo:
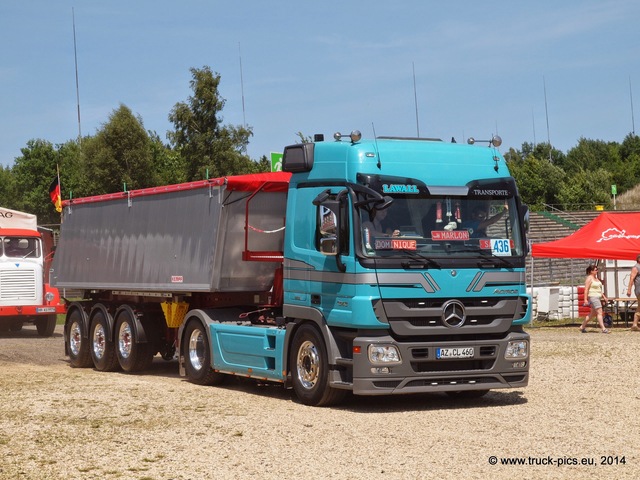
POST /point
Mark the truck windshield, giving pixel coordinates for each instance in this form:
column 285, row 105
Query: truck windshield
column 443, row 225
column 20, row 247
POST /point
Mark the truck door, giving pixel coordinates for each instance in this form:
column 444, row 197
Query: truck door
column 319, row 265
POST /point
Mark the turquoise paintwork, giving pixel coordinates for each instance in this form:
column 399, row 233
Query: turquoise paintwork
column 313, row 281
column 256, row 352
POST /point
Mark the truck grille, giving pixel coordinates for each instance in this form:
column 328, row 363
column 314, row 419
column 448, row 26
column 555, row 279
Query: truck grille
column 425, row 317
column 17, row 285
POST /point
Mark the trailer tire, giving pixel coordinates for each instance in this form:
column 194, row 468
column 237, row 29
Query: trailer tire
column 133, row 355
column 197, row 356
column 310, row 369
column 77, row 344
column 46, row 325
column 103, row 351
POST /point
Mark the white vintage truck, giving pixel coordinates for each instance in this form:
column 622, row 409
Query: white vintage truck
column 26, row 252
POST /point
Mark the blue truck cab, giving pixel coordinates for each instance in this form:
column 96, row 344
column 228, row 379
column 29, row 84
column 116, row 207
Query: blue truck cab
column 404, row 269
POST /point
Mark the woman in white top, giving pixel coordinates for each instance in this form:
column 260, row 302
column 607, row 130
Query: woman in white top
column 593, row 296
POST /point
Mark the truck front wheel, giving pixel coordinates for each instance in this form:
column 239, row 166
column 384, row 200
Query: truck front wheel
column 132, row 355
column 310, row 369
column 103, row 350
column 46, row 325
column 77, row 345
column 197, row 356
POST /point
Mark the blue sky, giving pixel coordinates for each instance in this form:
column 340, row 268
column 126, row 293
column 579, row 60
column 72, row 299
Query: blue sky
column 320, row 67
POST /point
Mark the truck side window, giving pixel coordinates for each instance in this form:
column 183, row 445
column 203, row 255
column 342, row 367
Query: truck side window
column 327, row 226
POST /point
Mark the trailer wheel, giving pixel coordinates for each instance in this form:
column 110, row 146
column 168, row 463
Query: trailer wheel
column 77, row 345
column 103, row 351
column 46, row 325
column 310, row 369
column 197, row 356
column 132, row 356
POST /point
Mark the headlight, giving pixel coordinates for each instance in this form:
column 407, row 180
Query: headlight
column 384, row 355
column 49, row 296
column 517, row 349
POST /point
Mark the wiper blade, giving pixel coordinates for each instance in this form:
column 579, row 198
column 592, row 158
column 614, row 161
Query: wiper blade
column 493, row 258
column 423, row 261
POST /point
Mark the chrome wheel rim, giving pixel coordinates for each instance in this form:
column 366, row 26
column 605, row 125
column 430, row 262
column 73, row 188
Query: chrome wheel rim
column 196, row 349
column 75, row 338
column 125, row 340
column 308, row 365
column 99, row 340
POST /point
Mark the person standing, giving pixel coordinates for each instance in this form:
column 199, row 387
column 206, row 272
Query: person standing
column 593, row 296
column 635, row 281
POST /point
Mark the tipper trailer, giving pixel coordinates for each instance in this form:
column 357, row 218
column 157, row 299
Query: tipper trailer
column 362, row 267
column 26, row 251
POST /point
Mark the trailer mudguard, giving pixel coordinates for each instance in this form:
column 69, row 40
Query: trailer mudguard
column 107, row 315
column 139, row 334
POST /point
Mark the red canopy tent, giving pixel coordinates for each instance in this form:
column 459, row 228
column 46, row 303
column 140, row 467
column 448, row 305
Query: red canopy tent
column 611, row 235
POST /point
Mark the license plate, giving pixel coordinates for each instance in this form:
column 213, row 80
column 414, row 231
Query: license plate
column 45, row 309
column 455, row 352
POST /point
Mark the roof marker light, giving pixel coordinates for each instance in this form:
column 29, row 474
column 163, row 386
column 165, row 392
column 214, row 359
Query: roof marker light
column 495, row 141
column 355, row 136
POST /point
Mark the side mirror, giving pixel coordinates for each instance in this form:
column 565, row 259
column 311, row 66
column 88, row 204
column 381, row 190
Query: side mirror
column 525, row 218
column 329, row 246
column 330, row 225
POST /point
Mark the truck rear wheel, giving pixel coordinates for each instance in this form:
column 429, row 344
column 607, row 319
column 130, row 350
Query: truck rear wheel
column 133, row 356
column 103, row 352
column 310, row 369
column 46, row 325
column 197, row 356
column 77, row 344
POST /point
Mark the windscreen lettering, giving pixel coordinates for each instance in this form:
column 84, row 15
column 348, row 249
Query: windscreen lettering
column 478, row 192
column 444, row 235
column 395, row 244
column 399, row 188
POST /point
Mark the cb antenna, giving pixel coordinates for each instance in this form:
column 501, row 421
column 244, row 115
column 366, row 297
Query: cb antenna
column 415, row 98
column 375, row 141
column 75, row 56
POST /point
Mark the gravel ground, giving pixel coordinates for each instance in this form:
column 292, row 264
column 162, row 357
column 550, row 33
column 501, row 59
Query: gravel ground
column 57, row 422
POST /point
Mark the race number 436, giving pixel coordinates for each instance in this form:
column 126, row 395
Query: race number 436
column 501, row 247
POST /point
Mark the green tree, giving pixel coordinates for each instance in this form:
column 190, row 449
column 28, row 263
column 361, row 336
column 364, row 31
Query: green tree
column 120, row 153
column 202, row 140
column 590, row 155
column 8, row 191
column 539, row 181
column 168, row 164
column 585, row 189
column 33, row 173
column 73, row 181
column 264, row 165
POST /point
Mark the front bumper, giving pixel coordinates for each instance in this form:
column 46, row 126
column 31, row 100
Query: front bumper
column 421, row 371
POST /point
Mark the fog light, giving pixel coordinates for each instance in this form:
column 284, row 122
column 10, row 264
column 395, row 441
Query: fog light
column 519, row 364
column 384, row 354
column 380, row 370
column 517, row 349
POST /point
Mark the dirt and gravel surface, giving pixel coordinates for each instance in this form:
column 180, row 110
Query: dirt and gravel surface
column 57, row 422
